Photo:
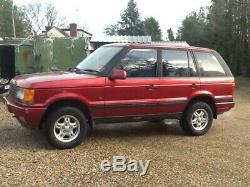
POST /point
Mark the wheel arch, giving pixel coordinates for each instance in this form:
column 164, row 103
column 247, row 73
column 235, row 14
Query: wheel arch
column 83, row 107
column 204, row 98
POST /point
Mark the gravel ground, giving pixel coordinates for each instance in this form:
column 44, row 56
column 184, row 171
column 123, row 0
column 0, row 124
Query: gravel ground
column 220, row 158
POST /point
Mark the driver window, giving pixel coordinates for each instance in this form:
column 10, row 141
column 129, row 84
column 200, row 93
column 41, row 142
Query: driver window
column 140, row 63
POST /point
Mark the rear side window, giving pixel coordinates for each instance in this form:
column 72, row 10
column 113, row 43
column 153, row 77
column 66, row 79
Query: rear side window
column 177, row 63
column 209, row 65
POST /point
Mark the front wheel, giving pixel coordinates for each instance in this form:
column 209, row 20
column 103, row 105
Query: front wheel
column 198, row 119
column 66, row 127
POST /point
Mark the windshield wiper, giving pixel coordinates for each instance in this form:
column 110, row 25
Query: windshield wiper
column 78, row 70
column 73, row 69
column 90, row 70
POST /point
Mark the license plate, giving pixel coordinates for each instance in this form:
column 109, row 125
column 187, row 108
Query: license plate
column 6, row 87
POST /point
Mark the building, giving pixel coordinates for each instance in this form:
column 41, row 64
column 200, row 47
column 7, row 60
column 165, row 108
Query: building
column 72, row 31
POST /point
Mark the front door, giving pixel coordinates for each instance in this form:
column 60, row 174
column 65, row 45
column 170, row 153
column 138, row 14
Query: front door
column 136, row 96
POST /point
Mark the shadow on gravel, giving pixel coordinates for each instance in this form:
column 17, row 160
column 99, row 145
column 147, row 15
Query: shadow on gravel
column 140, row 129
column 22, row 138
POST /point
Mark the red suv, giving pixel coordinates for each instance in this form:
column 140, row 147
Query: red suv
column 125, row 82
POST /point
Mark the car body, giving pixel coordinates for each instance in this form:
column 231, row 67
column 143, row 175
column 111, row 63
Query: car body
column 128, row 82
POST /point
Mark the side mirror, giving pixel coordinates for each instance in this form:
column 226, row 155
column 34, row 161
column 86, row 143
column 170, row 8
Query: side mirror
column 118, row 74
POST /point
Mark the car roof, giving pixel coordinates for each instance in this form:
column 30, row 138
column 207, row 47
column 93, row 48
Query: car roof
column 148, row 45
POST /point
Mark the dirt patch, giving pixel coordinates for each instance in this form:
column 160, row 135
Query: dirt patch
column 1, row 98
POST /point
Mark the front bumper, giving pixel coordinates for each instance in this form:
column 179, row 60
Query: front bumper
column 27, row 116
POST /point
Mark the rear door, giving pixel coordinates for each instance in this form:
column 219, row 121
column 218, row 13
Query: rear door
column 216, row 78
column 137, row 95
column 179, row 80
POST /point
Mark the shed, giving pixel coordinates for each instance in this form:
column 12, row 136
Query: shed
column 22, row 56
column 99, row 40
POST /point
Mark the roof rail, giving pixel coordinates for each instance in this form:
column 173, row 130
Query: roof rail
column 171, row 43
column 121, row 39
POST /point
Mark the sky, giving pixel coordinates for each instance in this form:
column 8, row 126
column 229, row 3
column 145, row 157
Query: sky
column 95, row 15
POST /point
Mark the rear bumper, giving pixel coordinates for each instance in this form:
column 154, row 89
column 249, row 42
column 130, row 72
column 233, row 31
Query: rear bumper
column 27, row 116
column 224, row 107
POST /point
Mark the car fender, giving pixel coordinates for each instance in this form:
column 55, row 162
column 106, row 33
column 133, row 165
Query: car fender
column 201, row 93
column 66, row 96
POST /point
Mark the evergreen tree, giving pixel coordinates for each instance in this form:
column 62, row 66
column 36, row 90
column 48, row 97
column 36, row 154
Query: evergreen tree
column 193, row 29
column 130, row 23
column 112, row 30
column 152, row 28
column 170, row 35
column 225, row 26
column 22, row 26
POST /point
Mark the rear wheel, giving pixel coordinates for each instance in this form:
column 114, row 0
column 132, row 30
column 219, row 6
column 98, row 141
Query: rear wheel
column 198, row 119
column 66, row 127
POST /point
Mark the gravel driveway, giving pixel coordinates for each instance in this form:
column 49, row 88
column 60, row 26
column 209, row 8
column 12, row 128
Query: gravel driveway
column 220, row 158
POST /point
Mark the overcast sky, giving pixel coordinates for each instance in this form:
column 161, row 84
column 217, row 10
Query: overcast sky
column 95, row 15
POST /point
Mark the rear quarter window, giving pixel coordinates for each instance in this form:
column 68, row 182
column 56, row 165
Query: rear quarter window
column 209, row 65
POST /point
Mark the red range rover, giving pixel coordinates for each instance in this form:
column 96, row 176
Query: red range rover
column 125, row 82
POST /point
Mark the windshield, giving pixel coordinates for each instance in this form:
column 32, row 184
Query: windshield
column 97, row 61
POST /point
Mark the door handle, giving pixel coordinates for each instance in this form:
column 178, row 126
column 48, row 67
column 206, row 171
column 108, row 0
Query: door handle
column 194, row 85
column 152, row 87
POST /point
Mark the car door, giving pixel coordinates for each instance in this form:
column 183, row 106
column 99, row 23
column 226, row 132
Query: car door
column 216, row 79
column 135, row 96
column 179, row 81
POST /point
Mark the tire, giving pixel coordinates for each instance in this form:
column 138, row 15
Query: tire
column 66, row 127
column 197, row 119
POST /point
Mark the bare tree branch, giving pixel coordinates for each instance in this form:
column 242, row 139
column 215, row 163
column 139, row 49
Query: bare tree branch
column 52, row 16
column 34, row 13
column 43, row 15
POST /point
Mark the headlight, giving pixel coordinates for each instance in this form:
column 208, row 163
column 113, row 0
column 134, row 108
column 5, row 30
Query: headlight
column 25, row 96
column 4, row 81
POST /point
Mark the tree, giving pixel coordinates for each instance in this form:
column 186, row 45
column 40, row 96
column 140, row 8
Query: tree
column 22, row 25
column 170, row 35
column 35, row 16
column 224, row 26
column 192, row 29
column 130, row 23
column 112, row 29
column 152, row 28
column 43, row 15
column 52, row 16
